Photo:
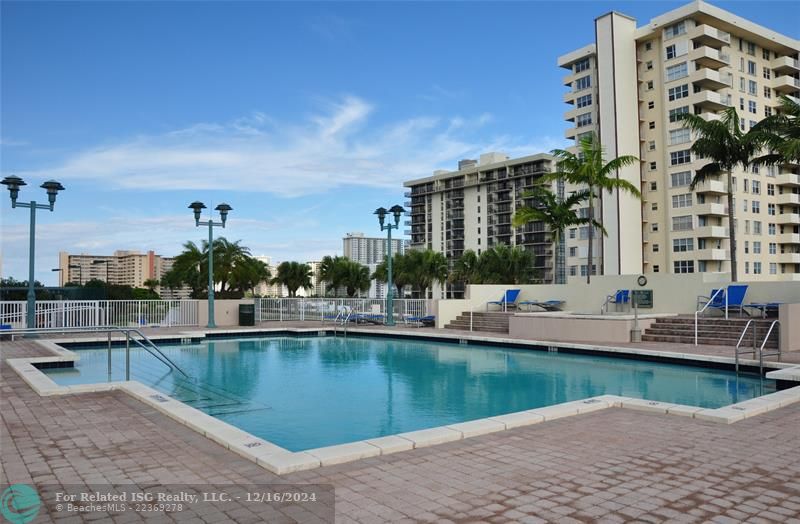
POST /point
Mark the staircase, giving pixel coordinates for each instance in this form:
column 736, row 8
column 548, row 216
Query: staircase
column 493, row 322
column 711, row 330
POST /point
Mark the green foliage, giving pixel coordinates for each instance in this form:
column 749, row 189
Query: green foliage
column 341, row 273
column 401, row 275
column 294, row 276
column 780, row 133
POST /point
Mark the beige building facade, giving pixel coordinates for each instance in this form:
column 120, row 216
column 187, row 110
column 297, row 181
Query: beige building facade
column 630, row 86
column 125, row 268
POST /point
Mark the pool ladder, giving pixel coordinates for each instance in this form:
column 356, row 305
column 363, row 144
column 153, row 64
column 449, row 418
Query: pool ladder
column 757, row 350
column 342, row 318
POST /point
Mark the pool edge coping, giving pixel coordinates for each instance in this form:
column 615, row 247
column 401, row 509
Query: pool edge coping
column 281, row 461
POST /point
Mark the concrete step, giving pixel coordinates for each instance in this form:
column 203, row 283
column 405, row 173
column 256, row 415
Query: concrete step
column 689, row 339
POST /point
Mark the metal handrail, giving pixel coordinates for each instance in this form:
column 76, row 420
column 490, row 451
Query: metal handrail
column 760, row 349
column 764, row 342
column 150, row 348
column 705, row 306
column 471, row 311
column 741, row 337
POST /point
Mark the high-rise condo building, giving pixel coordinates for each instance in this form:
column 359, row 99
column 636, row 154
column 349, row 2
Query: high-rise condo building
column 630, row 86
column 369, row 250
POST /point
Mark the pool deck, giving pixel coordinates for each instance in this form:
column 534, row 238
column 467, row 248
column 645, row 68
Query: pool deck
column 614, row 465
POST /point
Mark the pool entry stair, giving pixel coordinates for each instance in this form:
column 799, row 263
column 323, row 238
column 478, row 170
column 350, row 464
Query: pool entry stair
column 492, row 322
column 713, row 331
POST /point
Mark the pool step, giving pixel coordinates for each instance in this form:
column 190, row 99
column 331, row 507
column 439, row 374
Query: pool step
column 493, row 322
column 711, row 331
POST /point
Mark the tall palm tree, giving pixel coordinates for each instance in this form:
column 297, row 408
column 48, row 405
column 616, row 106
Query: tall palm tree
column 294, row 276
column 248, row 273
column 151, row 284
column 356, row 277
column 727, row 146
column 780, row 133
column 590, row 169
column 227, row 255
column 556, row 214
column 426, row 267
column 400, row 272
column 191, row 268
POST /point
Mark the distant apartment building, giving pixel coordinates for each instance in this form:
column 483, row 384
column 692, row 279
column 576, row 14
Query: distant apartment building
column 472, row 207
column 630, row 86
column 371, row 251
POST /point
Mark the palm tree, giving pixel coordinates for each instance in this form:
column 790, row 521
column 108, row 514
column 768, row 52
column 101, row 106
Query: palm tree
column 781, row 134
column 191, row 268
column 466, row 269
column 502, row 264
column 227, row 255
column 355, row 277
column 400, row 272
column 589, row 168
column 332, row 271
column 248, row 273
column 151, row 284
column 294, row 276
column 556, row 214
column 727, row 146
column 426, row 267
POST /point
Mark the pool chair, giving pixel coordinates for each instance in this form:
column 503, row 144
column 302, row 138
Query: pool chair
column 509, row 300
column 426, row 321
column 620, row 297
column 767, row 309
column 725, row 300
column 547, row 305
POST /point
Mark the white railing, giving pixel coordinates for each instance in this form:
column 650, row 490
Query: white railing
column 327, row 309
column 91, row 313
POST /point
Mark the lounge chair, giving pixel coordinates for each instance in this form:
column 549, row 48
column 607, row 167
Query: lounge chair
column 509, row 300
column 766, row 308
column 547, row 305
column 728, row 299
column 620, row 296
column 426, row 321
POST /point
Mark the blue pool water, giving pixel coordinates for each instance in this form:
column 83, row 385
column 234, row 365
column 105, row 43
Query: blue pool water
column 307, row 392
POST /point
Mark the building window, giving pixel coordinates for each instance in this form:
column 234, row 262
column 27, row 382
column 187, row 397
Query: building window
column 751, row 48
column 771, row 209
column 751, row 106
column 676, row 93
column 649, row 65
column 747, row 267
column 583, row 101
column 654, row 227
column 651, row 125
column 671, row 52
column 766, row 73
column 742, row 83
column 770, row 189
column 681, row 179
column 756, row 268
column 771, row 228
column 756, row 185
column 773, row 268
column 653, row 186
column 683, row 200
column 655, row 248
column 649, row 85
column 651, row 105
column 767, row 92
column 756, row 227
column 675, row 30
column 680, row 157
column 756, row 247
column 584, row 119
column 681, row 245
column 682, row 223
column 752, row 87
column 572, row 232
column 756, row 206
column 746, row 247
column 573, row 271
column 767, row 111
column 656, row 269
column 583, row 82
column 677, row 71
column 765, row 54
column 652, row 166
column 683, row 266
column 675, row 114
column 679, row 136
column 582, row 65
column 773, row 248
column 651, row 145
column 573, row 251
column 648, row 46
column 751, row 68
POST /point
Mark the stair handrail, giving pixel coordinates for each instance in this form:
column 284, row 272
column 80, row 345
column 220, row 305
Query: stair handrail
column 471, row 311
column 705, row 306
column 153, row 349
column 766, row 338
column 741, row 337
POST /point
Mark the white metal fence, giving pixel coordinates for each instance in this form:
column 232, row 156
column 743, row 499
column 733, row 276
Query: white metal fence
column 321, row 309
column 87, row 313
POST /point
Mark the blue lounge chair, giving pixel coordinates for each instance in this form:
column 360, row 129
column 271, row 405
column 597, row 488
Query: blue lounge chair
column 766, row 308
column 547, row 305
column 426, row 321
column 509, row 300
column 728, row 299
column 620, row 296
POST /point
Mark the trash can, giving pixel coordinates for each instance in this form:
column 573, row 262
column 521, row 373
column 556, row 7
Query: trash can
column 247, row 314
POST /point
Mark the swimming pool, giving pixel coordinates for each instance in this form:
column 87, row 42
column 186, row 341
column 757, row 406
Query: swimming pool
column 303, row 392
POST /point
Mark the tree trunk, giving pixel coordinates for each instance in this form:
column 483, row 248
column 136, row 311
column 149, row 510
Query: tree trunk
column 590, row 253
column 731, row 229
column 556, row 279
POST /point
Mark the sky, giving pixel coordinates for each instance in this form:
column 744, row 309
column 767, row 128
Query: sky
column 304, row 117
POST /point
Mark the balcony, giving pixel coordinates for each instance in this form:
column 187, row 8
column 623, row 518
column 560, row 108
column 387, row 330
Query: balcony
column 788, row 199
column 788, row 238
column 709, row 79
column 789, row 258
column 569, row 98
column 711, row 232
column 788, row 277
column 708, row 117
column 785, row 64
column 712, row 209
column 786, row 84
column 788, row 179
column 712, row 254
column 570, row 133
column 709, row 100
column 711, row 186
column 706, row 56
column 792, row 219
column 709, row 36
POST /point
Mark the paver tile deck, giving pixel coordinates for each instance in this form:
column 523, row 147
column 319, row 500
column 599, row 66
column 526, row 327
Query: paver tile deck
column 615, row 465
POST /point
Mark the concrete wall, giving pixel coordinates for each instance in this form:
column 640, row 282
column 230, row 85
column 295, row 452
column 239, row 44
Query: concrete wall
column 226, row 312
column 671, row 293
column 789, row 315
column 548, row 327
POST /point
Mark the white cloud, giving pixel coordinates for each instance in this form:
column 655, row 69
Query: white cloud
column 337, row 147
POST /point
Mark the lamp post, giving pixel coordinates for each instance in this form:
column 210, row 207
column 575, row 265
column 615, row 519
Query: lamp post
column 396, row 210
column 13, row 183
column 223, row 209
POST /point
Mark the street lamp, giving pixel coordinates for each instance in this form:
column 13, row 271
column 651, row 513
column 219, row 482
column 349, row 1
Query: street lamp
column 223, row 209
column 13, row 183
column 396, row 210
